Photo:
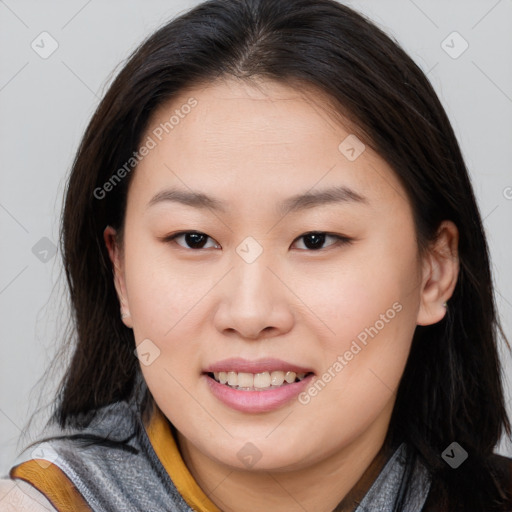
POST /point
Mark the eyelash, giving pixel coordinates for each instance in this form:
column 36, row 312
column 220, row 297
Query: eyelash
column 341, row 240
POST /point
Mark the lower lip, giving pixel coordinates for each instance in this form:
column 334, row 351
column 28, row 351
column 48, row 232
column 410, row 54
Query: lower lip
column 257, row 401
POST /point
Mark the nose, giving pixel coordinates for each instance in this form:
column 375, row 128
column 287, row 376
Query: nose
column 253, row 303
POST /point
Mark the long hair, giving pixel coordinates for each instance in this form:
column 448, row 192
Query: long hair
column 451, row 389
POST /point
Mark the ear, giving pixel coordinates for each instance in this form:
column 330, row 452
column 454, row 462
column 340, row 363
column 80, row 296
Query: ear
column 115, row 254
column 440, row 273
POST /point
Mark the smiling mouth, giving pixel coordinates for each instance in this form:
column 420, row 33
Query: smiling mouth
column 244, row 381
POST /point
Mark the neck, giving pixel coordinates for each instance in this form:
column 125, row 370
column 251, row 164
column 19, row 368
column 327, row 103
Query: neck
column 337, row 482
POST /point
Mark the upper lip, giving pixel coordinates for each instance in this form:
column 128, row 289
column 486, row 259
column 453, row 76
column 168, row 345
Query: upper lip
column 238, row 364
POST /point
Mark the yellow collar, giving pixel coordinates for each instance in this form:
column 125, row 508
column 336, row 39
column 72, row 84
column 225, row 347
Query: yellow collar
column 163, row 442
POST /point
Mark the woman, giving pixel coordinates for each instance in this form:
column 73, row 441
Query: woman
column 270, row 210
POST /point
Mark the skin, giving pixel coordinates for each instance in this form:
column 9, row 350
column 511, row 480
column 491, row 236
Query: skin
column 253, row 145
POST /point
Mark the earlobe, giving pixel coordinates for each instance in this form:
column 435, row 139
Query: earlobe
column 114, row 251
column 440, row 273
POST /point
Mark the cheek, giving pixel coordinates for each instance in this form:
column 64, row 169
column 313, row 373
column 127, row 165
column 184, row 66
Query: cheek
column 365, row 288
column 370, row 309
column 159, row 293
column 161, row 302
column 164, row 304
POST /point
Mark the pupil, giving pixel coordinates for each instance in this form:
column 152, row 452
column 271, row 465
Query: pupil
column 195, row 239
column 318, row 240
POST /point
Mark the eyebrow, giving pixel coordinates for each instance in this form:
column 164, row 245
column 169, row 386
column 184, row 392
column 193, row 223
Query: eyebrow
column 307, row 200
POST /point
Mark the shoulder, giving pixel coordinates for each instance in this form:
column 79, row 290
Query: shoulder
column 19, row 496
column 501, row 466
column 68, row 459
column 502, row 463
column 496, row 469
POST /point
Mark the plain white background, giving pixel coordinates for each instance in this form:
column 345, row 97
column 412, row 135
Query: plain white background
column 45, row 105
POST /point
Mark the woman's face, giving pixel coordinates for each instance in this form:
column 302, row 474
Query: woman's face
column 253, row 171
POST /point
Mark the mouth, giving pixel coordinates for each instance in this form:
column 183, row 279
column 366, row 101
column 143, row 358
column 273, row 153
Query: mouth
column 267, row 380
column 256, row 386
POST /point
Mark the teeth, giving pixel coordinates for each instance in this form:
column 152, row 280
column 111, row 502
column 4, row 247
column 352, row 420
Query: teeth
column 245, row 380
column 290, row 377
column 277, row 378
column 263, row 380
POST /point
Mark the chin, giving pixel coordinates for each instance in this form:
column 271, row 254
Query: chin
column 262, row 455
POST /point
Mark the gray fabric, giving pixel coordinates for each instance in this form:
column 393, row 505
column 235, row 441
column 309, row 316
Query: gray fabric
column 112, row 479
column 132, row 479
column 402, row 485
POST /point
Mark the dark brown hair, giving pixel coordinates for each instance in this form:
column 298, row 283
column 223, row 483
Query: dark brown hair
column 451, row 389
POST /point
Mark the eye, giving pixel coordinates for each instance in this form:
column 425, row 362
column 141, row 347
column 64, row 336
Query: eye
column 313, row 241
column 192, row 239
column 316, row 239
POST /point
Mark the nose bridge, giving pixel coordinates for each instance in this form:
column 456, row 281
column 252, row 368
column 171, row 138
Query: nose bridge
column 253, row 278
column 251, row 261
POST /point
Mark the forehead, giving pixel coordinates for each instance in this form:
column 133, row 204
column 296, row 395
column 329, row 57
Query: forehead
column 263, row 140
